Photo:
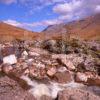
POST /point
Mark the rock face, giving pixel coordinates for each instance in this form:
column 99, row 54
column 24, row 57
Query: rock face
column 76, row 94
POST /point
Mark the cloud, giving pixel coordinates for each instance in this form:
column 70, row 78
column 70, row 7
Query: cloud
column 77, row 8
column 68, row 10
column 35, row 5
column 47, row 22
column 13, row 22
column 34, row 24
column 41, row 2
column 97, row 9
column 8, row 1
column 67, row 7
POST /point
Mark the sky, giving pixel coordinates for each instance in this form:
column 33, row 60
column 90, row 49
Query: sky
column 36, row 15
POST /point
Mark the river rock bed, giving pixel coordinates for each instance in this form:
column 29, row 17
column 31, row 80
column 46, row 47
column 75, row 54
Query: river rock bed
column 50, row 70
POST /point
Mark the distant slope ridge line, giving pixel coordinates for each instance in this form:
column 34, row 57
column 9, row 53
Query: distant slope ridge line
column 10, row 33
column 87, row 28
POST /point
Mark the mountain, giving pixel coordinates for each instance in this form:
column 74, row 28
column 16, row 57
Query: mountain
column 9, row 33
column 87, row 28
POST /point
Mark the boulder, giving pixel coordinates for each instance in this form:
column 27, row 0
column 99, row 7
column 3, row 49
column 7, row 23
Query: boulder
column 69, row 64
column 24, row 54
column 50, row 45
column 10, row 59
column 37, row 51
column 58, row 56
column 88, row 78
column 89, row 63
column 6, row 68
column 44, row 97
column 31, row 53
column 38, row 73
column 94, row 81
column 8, row 51
column 76, row 94
column 63, row 77
column 62, row 59
column 81, row 77
column 62, row 69
column 51, row 71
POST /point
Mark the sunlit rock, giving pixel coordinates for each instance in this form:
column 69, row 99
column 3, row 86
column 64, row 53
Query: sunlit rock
column 24, row 54
column 81, row 77
column 38, row 51
column 62, row 69
column 62, row 59
column 33, row 53
column 51, row 71
column 11, row 59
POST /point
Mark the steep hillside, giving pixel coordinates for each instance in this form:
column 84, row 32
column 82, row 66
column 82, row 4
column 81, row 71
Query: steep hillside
column 87, row 28
column 9, row 33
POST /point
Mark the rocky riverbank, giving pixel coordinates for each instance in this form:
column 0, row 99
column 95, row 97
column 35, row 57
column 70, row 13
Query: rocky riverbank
column 50, row 70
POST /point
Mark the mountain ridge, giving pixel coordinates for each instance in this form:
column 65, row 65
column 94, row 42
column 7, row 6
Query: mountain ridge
column 10, row 33
column 87, row 28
